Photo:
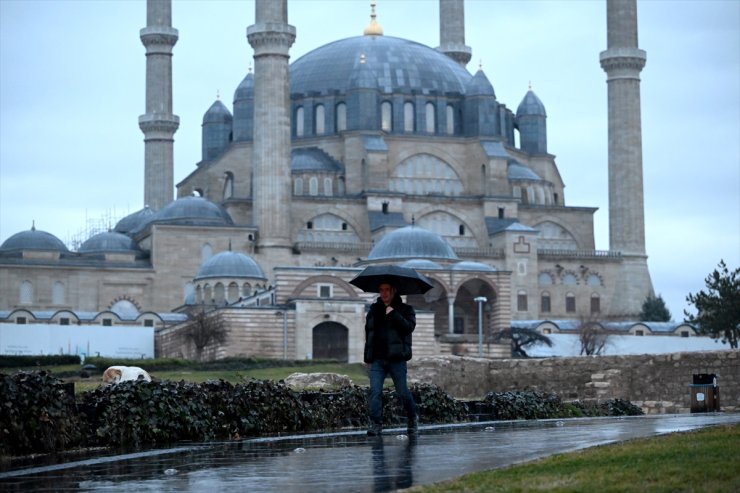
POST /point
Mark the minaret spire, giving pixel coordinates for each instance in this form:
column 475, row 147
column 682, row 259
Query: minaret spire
column 622, row 61
column 271, row 37
column 452, row 31
column 158, row 123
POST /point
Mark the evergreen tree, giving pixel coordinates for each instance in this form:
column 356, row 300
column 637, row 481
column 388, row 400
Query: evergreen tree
column 718, row 308
column 654, row 310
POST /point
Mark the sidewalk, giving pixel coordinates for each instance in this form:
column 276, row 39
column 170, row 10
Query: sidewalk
column 346, row 461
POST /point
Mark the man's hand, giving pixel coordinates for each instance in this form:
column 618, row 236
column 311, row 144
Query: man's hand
column 388, row 309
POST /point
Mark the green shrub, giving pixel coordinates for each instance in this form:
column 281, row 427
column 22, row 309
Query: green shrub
column 37, row 414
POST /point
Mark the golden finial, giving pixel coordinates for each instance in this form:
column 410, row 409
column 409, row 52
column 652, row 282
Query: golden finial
column 480, row 64
column 218, row 95
column 530, row 85
column 373, row 29
column 250, row 68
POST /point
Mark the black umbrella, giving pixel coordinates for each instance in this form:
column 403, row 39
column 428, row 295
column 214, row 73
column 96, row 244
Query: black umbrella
column 405, row 279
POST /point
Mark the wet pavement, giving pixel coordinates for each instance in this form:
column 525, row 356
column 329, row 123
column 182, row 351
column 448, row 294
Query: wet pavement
column 345, row 461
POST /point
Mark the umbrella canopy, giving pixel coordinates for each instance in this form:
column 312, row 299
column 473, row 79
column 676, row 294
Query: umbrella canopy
column 405, row 279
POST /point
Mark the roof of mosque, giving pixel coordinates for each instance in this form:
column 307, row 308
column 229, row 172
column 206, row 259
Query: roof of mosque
column 229, row 265
column 412, row 242
column 33, row 239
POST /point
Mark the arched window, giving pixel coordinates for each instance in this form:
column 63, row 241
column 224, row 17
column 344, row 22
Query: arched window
column 228, row 185
column 233, row 293
column 58, row 294
column 207, row 294
column 408, row 117
column 219, row 293
column 298, row 186
column 313, row 186
column 206, row 252
column 450, row 120
column 570, row 303
column 545, row 302
column 299, row 121
column 521, row 301
column 341, row 117
column 593, row 280
column 340, row 186
column 386, row 116
column 431, row 122
column 319, row 119
column 328, row 187
column 595, row 303
column 198, row 294
column 26, row 292
column 246, row 289
column 570, row 279
column 545, row 279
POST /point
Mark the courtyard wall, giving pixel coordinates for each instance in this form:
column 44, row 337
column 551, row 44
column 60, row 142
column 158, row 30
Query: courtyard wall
column 657, row 383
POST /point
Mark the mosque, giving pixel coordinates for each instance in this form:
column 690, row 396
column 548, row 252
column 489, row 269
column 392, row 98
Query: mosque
column 370, row 149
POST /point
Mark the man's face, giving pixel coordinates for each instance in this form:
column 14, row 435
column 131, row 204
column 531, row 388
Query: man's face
column 387, row 292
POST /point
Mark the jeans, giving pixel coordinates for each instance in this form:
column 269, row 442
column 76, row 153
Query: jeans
column 379, row 369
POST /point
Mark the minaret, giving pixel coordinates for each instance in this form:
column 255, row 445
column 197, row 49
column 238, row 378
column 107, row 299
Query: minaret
column 622, row 61
column 271, row 37
column 158, row 123
column 452, row 31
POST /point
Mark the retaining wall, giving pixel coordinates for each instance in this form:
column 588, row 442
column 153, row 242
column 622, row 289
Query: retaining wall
column 657, row 383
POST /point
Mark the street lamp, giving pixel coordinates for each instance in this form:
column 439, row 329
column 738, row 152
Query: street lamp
column 480, row 300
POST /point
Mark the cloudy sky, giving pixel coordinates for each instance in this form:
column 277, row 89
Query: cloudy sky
column 72, row 88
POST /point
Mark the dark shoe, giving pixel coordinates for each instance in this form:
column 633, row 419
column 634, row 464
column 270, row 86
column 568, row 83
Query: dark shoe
column 374, row 430
column 413, row 425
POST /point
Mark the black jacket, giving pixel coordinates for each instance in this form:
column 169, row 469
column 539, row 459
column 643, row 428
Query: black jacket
column 397, row 327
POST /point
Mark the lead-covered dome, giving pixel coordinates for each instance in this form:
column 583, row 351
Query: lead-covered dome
column 133, row 221
column 399, row 65
column 110, row 242
column 230, row 265
column 190, row 211
column 412, row 242
column 33, row 239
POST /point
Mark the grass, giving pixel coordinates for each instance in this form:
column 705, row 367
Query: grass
column 695, row 461
column 355, row 371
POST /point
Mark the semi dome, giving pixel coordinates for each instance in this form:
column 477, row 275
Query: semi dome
column 230, row 265
column 399, row 65
column 191, row 211
column 421, row 263
column 518, row 171
column 109, row 242
column 412, row 242
column 133, row 221
column 313, row 159
column 33, row 239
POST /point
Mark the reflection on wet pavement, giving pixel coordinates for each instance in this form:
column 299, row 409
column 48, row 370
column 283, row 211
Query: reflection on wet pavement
column 345, row 461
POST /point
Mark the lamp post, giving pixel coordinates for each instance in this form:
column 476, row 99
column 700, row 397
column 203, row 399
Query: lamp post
column 480, row 300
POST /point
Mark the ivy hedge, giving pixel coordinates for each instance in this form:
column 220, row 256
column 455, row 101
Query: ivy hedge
column 39, row 414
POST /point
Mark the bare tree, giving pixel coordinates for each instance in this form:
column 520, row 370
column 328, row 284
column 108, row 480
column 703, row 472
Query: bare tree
column 593, row 337
column 205, row 328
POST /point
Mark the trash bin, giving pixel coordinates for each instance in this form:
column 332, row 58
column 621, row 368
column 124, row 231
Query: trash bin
column 704, row 393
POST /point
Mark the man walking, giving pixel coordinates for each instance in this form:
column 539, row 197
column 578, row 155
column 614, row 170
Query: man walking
column 388, row 329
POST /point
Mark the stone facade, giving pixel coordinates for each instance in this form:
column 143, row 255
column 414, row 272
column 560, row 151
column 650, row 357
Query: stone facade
column 656, row 383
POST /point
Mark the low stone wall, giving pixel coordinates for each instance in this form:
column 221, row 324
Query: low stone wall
column 657, row 383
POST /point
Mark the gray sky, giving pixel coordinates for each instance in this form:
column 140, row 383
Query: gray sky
column 72, row 88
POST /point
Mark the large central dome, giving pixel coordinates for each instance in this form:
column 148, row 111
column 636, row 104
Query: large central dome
column 399, row 65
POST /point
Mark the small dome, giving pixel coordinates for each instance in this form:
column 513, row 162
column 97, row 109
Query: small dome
column 109, row 242
column 245, row 89
column 421, row 263
column 470, row 265
column 228, row 265
column 412, row 242
column 313, row 159
column 190, row 211
column 133, row 221
column 217, row 113
column 518, row 171
column 531, row 105
column 33, row 240
column 479, row 85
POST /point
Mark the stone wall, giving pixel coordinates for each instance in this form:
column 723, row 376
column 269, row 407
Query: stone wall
column 657, row 383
